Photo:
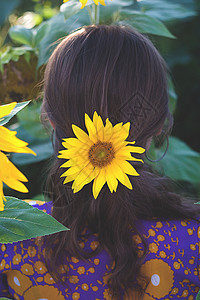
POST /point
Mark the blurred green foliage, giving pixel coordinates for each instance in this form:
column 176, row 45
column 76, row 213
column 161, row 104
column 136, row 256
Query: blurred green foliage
column 171, row 25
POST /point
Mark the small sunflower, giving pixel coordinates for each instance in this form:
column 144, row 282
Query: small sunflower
column 9, row 174
column 101, row 155
column 84, row 2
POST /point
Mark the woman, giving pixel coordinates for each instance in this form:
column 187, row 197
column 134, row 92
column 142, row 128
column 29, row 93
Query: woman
column 129, row 238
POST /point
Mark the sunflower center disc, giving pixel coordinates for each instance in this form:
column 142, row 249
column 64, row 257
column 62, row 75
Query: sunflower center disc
column 101, row 154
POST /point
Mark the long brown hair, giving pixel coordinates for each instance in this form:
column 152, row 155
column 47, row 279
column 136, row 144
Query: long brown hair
column 117, row 72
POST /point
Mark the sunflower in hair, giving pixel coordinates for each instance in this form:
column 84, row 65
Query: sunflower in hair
column 101, row 155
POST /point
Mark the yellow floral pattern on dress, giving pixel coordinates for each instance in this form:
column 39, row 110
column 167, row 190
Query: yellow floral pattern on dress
column 170, row 269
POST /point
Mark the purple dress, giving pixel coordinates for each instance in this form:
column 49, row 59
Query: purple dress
column 172, row 266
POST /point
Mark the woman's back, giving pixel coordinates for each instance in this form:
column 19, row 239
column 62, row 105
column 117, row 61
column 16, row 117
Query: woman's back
column 105, row 88
column 170, row 269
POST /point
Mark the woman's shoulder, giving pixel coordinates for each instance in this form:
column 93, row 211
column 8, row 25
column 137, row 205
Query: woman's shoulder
column 171, row 262
column 154, row 225
column 174, row 231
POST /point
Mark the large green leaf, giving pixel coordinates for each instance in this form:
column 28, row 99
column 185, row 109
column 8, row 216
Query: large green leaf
column 4, row 298
column 20, row 221
column 29, row 119
column 40, row 32
column 42, row 146
column 17, row 108
column 22, row 35
column 43, row 149
column 144, row 23
column 32, row 131
column 58, row 28
column 166, row 10
column 180, row 162
column 70, row 8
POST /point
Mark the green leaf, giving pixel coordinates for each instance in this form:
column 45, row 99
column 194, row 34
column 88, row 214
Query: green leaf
column 43, row 149
column 29, row 119
column 180, row 162
column 31, row 130
column 40, row 33
column 27, row 56
column 20, row 221
column 17, row 108
column 167, row 11
column 38, row 141
column 198, row 296
column 144, row 23
column 5, row 298
column 58, row 28
column 22, row 35
column 70, row 8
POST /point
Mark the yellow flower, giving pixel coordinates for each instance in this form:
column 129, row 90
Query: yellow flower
column 84, row 2
column 9, row 174
column 101, row 155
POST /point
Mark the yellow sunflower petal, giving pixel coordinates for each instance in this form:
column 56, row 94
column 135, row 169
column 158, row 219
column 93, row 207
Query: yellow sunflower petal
column 91, row 129
column 70, row 178
column 67, row 164
column 108, row 130
column 128, row 157
column 126, row 150
column 72, row 170
column 6, row 109
column 16, row 185
column 98, row 123
column 95, row 118
column 118, row 138
column 83, row 175
column 73, row 142
column 102, row 2
column 87, row 180
column 119, row 145
column 127, row 182
column 100, row 129
column 80, row 134
column 127, row 167
column 121, row 176
column 11, row 176
column 73, row 152
column 83, row 2
column 111, row 179
column 98, row 183
column 73, row 162
column 10, row 143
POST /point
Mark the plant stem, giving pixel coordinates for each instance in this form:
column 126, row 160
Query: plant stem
column 96, row 13
column 90, row 15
